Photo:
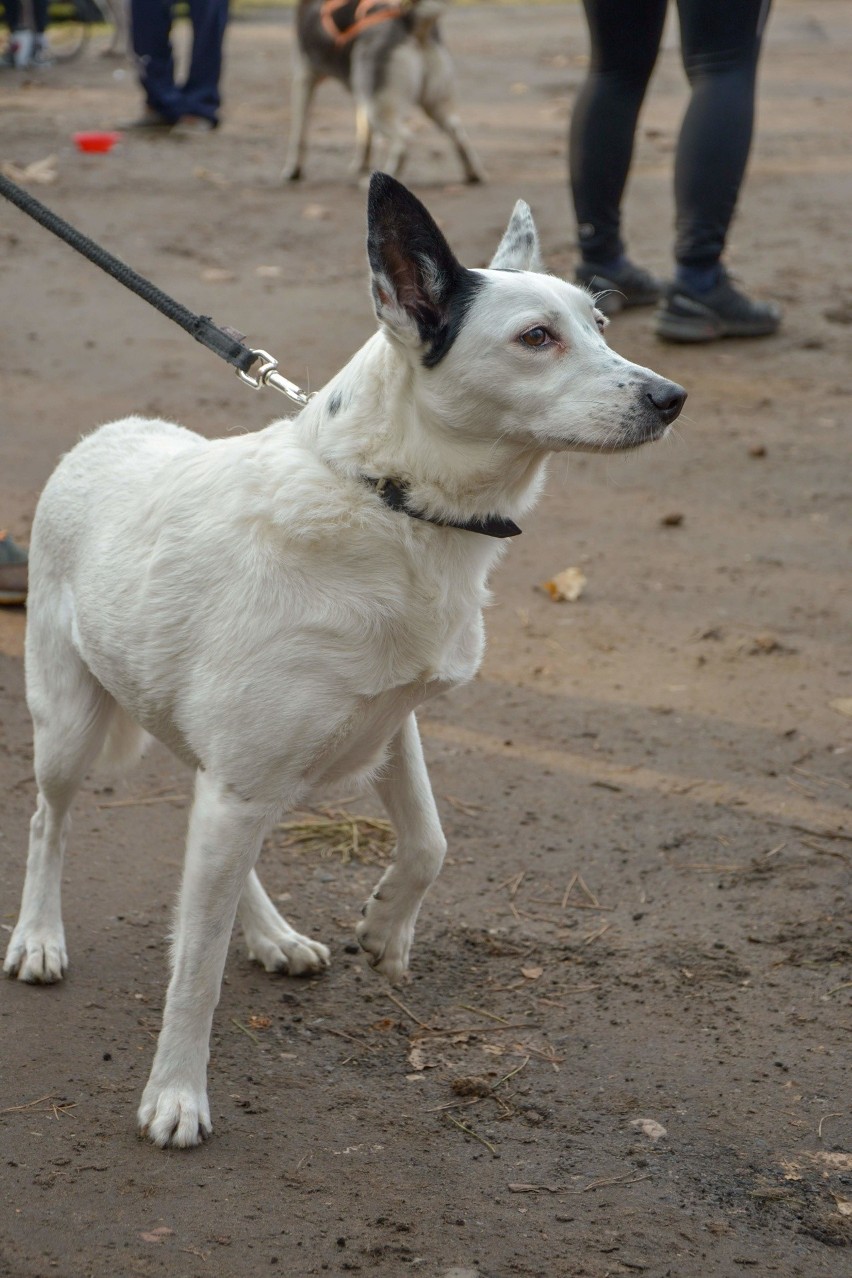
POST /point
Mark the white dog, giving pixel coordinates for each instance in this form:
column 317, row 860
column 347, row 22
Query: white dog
column 274, row 606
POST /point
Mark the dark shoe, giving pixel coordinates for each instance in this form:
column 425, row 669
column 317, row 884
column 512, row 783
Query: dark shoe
column 724, row 311
column 189, row 126
column 620, row 287
column 13, row 571
column 150, row 121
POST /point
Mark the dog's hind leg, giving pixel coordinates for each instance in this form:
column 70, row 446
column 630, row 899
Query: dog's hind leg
column 225, row 834
column 71, row 716
column 270, row 938
column 448, row 122
column 438, row 101
column 305, row 81
column 390, row 914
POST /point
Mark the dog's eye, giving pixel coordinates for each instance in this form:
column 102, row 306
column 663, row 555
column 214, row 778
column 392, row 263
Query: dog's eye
column 535, row 337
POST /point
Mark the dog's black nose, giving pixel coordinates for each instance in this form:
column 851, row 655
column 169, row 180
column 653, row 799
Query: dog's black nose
column 668, row 398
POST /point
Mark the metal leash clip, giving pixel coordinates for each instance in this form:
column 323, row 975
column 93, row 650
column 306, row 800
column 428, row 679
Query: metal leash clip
column 267, row 376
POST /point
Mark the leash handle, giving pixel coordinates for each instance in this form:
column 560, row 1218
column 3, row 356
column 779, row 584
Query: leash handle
column 201, row 327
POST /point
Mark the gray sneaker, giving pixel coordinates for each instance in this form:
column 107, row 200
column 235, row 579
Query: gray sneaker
column 722, row 312
column 627, row 285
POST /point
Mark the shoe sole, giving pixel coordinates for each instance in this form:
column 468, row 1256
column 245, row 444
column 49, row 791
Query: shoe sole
column 676, row 328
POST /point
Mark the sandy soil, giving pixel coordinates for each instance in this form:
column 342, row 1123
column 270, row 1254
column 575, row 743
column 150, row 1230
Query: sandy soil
column 673, row 747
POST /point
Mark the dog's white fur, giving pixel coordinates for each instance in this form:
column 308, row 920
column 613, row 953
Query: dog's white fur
column 253, row 604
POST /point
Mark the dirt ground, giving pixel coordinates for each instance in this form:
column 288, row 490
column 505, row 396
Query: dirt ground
column 642, row 914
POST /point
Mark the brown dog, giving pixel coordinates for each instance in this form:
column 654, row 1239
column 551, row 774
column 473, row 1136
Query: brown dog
column 389, row 54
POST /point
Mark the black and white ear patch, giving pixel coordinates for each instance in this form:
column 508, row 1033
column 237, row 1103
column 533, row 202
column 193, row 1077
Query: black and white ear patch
column 420, row 289
column 519, row 248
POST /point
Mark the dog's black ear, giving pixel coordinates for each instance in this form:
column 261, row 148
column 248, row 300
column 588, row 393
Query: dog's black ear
column 421, row 292
column 518, row 250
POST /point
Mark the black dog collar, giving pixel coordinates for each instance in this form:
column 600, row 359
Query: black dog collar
column 394, row 495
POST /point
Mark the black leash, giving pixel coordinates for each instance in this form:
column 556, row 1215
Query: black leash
column 223, row 342
column 226, row 344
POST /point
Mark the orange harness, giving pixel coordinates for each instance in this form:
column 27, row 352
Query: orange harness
column 367, row 13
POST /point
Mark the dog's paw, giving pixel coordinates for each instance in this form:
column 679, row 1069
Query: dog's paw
column 292, row 173
column 38, row 957
column 174, row 1117
column 282, row 950
column 385, row 937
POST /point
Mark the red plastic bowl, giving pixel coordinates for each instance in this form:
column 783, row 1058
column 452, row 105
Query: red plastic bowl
column 97, row 141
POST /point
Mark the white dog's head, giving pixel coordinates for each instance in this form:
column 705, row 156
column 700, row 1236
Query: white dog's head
column 508, row 352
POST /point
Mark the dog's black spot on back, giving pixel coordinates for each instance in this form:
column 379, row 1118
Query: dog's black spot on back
column 335, row 404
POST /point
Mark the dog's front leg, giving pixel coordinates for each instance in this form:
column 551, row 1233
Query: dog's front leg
column 225, row 834
column 390, row 914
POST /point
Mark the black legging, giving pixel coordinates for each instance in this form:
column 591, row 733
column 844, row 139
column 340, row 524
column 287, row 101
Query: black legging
column 720, row 43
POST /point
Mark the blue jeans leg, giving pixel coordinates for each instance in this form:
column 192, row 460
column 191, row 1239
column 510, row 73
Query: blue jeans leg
column 151, row 22
column 201, row 91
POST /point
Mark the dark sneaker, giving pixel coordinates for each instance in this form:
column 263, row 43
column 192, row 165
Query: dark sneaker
column 620, row 287
column 13, row 571
column 723, row 312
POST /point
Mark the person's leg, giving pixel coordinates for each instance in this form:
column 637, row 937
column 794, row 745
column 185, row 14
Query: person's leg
column 40, row 16
column 721, row 44
column 625, row 38
column 200, row 94
column 150, row 24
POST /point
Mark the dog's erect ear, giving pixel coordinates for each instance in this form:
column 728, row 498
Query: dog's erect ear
column 518, row 249
column 421, row 292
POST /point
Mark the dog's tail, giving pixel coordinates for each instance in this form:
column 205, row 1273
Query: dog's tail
column 425, row 15
column 124, row 744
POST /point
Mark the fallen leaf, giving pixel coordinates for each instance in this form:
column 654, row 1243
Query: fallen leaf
column 157, row 1235
column 566, row 585
column 471, row 1086
column 40, row 172
column 649, row 1127
column 532, row 973
column 315, row 213
column 843, row 704
column 217, row 275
